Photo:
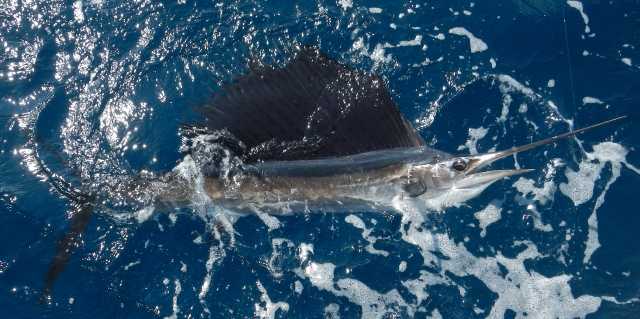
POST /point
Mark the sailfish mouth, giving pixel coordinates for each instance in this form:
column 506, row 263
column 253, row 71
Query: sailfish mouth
column 474, row 177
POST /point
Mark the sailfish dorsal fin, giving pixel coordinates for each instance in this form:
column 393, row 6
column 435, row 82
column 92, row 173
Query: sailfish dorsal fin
column 313, row 107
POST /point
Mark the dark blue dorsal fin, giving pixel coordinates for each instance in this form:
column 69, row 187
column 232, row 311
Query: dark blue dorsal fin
column 313, row 107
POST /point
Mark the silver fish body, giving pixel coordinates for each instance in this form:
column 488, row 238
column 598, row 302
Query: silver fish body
column 370, row 181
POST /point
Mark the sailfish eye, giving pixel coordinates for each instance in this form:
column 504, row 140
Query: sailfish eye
column 459, row 165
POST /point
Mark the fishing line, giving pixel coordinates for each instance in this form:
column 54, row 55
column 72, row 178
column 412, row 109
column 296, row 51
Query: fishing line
column 570, row 70
column 569, row 64
column 573, row 98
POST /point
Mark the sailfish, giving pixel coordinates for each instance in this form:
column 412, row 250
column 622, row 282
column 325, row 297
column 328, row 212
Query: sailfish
column 313, row 136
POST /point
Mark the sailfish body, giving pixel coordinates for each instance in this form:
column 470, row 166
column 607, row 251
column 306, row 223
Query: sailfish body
column 316, row 135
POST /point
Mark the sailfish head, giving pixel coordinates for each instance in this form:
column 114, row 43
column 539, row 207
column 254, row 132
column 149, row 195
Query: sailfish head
column 455, row 180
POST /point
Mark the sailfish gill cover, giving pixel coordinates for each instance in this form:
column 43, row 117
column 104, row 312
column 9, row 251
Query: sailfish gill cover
column 98, row 96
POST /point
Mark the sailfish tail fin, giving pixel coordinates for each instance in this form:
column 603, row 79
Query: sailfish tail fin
column 80, row 218
column 80, row 215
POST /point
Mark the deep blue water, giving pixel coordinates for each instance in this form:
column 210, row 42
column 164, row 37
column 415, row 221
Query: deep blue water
column 95, row 91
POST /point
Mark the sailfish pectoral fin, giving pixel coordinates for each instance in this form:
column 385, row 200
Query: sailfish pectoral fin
column 67, row 244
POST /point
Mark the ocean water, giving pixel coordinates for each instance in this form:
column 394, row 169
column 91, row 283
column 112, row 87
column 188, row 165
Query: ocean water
column 93, row 92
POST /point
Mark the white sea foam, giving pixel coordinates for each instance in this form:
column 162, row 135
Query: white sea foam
column 551, row 83
column 216, row 255
column 131, row 264
column 419, row 286
column 585, row 18
column 627, row 61
column 366, row 234
column 475, row 44
column 298, row 287
column 377, row 55
column 304, row 251
column 332, row 311
column 345, row 4
column 78, row 13
column 266, row 308
column 143, row 214
column 373, row 303
column 176, row 294
column 508, row 85
column 475, row 134
column 520, row 289
column 488, row 216
column 580, row 184
column 402, row 266
column 407, row 43
column 270, row 221
column 541, row 195
column 506, row 103
column 280, row 247
column 591, row 100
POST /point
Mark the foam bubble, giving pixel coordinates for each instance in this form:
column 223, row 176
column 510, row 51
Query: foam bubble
column 143, row 214
column 475, row 134
column 270, row 221
column 578, row 6
column 402, row 267
column 176, row 294
column 476, row 44
column 488, row 216
column 270, row 308
column 418, row 287
column 320, row 275
column 304, row 251
column 580, row 184
column 493, row 63
column 540, row 195
column 591, row 100
column 131, row 264
column 78, row 13
column 345, row 4
column 280, row 247
column 373, row 303
column 508, row 84
column 298, row 287
column 332, row 311
column 366, row 234
column 377, row 55
column 408, row 43
column 216, row 255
